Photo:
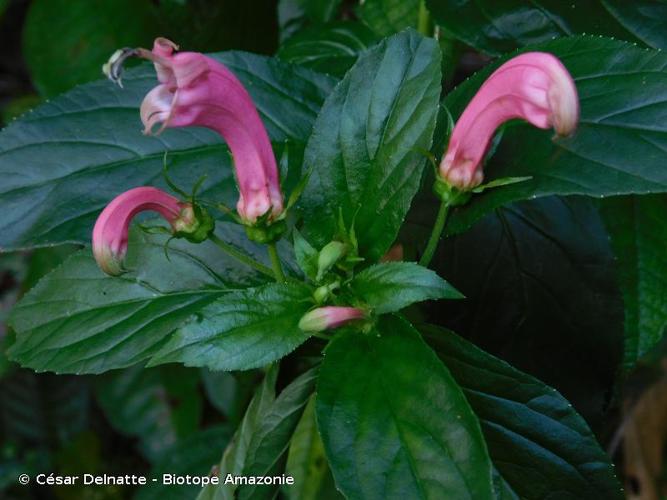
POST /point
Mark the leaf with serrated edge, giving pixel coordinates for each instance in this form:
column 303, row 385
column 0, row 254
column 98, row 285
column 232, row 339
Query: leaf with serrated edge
column 537, row 441
column 391, row 286
column 63, row 162
column 241, row 330
column 365, row 143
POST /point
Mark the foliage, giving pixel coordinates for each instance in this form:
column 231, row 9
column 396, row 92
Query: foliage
column 554, row 294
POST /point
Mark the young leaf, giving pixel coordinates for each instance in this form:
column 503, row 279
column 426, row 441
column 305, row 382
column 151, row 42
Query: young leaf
column 638, row 230
column 241, row 330
column 620, row 146
column 78, row 319
column 259, row 445
column 364, row 146
column 393, row 421
column 536, row 439
column 62, row 163
column 392, row 286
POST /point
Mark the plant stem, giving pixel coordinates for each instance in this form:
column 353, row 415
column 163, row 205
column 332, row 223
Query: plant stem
column 435, row 234
column 424, row 20
column 240, row 256
column 275, row 263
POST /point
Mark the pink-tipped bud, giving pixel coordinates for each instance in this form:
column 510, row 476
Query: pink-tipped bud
column 110, row 234
column 196, row 90
column 535, row 87
column 325, row 318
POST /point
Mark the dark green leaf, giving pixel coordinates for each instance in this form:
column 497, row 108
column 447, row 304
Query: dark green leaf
column 386, row 17
column 392, row 286
column 497, row 26
column 646, row 19
column 228, row 392
column 42, row 411
column 393, row 421
column 235, row 454
column 539, row 278
column 539, row 444
column 307, row 463
column 331, row 49
column 638, row 231
column 62, row 163
column 364, row 147
column 620, row 146
column 259, row 447
column 294, row 15
column 146, row 404
column 194, row 455
column 241, row 330
column 65, row 43
column 78, row 319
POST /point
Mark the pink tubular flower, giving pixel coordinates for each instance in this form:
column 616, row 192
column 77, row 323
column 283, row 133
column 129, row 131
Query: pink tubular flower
column 111, row 229
column 196, row 90
column 324, row 318
column 534, row 86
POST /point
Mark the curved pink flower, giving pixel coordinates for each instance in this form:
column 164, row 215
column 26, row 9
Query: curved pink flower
column 196, row 90
column 324, row 318
column 534, row 86
column 111, row 229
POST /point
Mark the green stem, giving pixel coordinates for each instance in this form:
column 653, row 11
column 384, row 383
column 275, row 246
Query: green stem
column 275, row 263
column 424, row 20
column 435, row 234
column 240, row 256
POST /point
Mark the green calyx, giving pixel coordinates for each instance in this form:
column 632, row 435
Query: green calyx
column 449, row 194
column 266, row 233
column 194, row 224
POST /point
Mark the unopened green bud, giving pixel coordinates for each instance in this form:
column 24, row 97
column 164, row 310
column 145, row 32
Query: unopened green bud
column 329, row 255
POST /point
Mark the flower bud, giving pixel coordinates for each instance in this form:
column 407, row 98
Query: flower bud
column 325, row 318
column 329, row 255
column 534, row 86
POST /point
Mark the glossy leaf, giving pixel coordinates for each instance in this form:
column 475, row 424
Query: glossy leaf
column 537, row 441
column 331, row 49
column 144, row 404
column 241, row 330
column 391, row 286
column 638, row 230
column 540, row 282
column 393, row 421
column 646, row 19
column 620, row 146
column 386, row 17
column 62, row 163
column 363, row 150
column 501, row 26
column 259, row 446
column 194, row 455
column 77, row 319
